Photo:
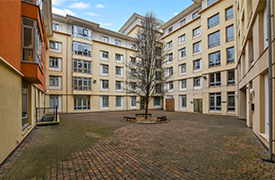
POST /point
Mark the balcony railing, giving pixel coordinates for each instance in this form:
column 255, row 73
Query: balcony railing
column 47, row 115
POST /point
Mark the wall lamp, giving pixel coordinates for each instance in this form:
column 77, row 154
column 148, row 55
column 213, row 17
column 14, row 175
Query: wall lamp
column 204, row 77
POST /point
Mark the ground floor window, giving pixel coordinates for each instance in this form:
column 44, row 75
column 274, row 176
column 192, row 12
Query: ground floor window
column 215, row 101
column 81, row 102
column 183, row 102
column 53, row 101
column 156, row 101
column 104, row 102
column 25, row 113
column 133, row 102
column 231, row 101
column 119, row 102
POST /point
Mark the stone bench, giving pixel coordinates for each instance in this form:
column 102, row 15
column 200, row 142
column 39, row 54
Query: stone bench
column 132, row 119
column 143, row 115
column 161, row 118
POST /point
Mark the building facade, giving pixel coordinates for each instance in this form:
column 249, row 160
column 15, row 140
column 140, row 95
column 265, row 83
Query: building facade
column 87, row 67
column 252, row 66
column 22, row 68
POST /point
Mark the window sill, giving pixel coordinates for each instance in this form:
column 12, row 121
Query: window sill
column 119, row 107
column 157, row 106
column 119, row 61
column 26, row 129
column 119, row 90
column 104, row 108
column 196, row 53
column 265, row 136
column 180, row 43
column 183, row 109
column 215, row 111
column 133, row 107
column 119, row 76
column 104, row 89
column 182, row 58
column 182, row 74
column 197, row 70
column 183, row 89
column 170, row 90
column 104, row 59
column 195, row 88
column 231, row 112
column 194, row 37
column 104, row 74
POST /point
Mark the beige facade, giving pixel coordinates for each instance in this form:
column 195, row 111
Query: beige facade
column 201, row 61
column 252, row 35
column 86, row 68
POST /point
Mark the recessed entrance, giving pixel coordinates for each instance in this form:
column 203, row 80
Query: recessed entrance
column 198, row 105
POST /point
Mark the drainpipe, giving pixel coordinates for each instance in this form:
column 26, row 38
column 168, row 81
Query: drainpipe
column 67, row 73
column 126, row 77
column 35, row 105
column 269, row 82
column 237, row 55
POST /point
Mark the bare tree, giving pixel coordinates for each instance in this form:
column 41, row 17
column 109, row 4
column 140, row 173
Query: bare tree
column 145, row 76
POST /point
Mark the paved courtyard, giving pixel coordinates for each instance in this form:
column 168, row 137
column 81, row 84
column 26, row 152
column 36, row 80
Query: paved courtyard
column 102, row 146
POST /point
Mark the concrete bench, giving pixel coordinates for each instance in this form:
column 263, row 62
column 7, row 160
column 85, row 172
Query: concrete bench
column 132, row 119
column 161, row 118
column 143, row 115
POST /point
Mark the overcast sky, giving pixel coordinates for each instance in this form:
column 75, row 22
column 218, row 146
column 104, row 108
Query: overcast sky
column 112, row 14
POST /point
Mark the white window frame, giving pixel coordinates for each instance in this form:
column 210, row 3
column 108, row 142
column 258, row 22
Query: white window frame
column 82, row 32
column 183, row 106
column 197, row 44
column 103, row 103
column 180, row 84
column 133, row 99
column 169, row 58
column 103, row 55
column 55, row 63
column 215, row 82
column 121, row 71
column 197, row 69
column 119, row 58
column 58, row 101
column 121, row 86
column 82, row 98
column 79, row 66
column 133, row 46
column 103, row 68
column 82, row 49
column 55, row 27
column 121, row 102
column 82, row 83
column 229, row 38
column 216, row 61
column 200, row 85
column 105, row 39
column 195, row 14
column 170, row 86
column 58, row 80
column 169, row 44
column 104, row 83
column 182, row 22
column 182, row 52
column 182, row 39
column 170, row 72
column 182, row 69
column 117, row 42
column 170, row 29
column 215, row 107
column 196, row 32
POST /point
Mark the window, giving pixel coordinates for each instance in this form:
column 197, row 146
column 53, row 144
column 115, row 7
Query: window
column 104, row 102
column 54, row 45
column 170, row 44
column 197, row 82
column 25, row 105
column 105, row 39
column 197, row 65
column 170, row 29
column 213, row 21
column 182, row 39
column 170, row 57
column 170, row 72
column 182, row 69
column 133, row 102
column 215, row 101
column 104, row 69
column 104, row 55
column 182, row 22
column 53, row 62
column 104, row 85
column 209, row 2
column 132, row 73
column 54, row 81
column 231, row 77
column 183, row 84
column 214, row 59
column 158, row 75
column 133, row 46
column 183, row 102
column 182, row 53
column 82, row 66
column 158, row 63
column 119, row 102
column 82, row 49
column 214, row 39
column 55, row 26
column 229, row 13
column 196, row 47
column 170, row 86
column 81, row 102
column 196, row 32
column 82, row 83
column 53, row 101
column 118, row 42
column 132, row 86
column 119, row 85
column 156, row 101
column 119, row 71
column 158, row 88
column 230, row 55
column 119, row 58
column 82, row 32
column 230, row 33
column 231, row 101
column 132, row 60
column 27, row 41
column 195, row 14
column 215, row 79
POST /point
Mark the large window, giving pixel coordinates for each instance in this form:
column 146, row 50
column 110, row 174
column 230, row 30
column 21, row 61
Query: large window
column 214, row 20
column 104, row 102
column 53, row 62
column 104, row 69
column 231, row 77
column 54, row 81
column 81, row 102
column 230, row 33
column 231, row 101
column 170, row 57
column 214, row 39
column 82, row 83
column 215, row 101
column 82, row 32
column 133, row 101
column 182, row 69
column 119, row 85
column 229, row 13
column 157, row 101
column 214, row 59
column 53, row 101
column 82, row 66
column 170, row 72
column 54, row 45
column 230, row 55
column 170, row 86
column 196, row 47
column 183, row 102
column 182, row 53
column 82, row 49
column 119, row 71
column 197, row 82
column 170, row 44
column 119, row 58
column 119, row 102
column 215, row 79
column 104, row 85
column 196, row 32
column 182, row 39
column 183, row 84
column 197, row 65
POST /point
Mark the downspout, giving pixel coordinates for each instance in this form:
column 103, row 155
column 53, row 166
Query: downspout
column 126, row 61
column 237, row 50
column 67, row 73
column 35, row 88
column 270, row 99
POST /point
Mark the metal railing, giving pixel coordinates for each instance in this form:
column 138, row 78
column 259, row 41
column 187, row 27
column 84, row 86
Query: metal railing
column 46, row 114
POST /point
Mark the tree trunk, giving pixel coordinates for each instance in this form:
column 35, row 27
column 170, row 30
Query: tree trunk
column 146, row 107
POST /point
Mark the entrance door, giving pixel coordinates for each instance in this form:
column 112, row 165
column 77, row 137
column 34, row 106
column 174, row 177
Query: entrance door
column 198, row 105
column 142, row 103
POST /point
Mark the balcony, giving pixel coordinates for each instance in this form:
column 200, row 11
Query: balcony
column 32, row 72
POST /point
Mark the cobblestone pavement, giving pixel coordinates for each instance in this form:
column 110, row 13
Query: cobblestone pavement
column 102, row 146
